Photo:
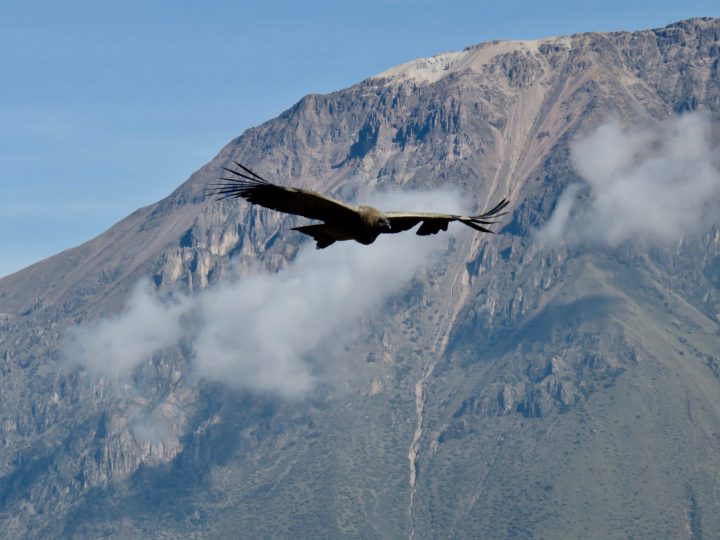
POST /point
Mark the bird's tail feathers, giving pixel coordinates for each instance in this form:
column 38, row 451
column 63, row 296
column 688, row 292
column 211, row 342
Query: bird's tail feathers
column 319, row 234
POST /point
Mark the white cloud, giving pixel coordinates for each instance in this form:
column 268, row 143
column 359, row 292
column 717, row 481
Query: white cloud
column 656, row 183
column 261, row 332
column 151, row 429
column 115, row 345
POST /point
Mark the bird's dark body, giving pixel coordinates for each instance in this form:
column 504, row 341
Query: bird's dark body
column 365, row 228
column 341, row 221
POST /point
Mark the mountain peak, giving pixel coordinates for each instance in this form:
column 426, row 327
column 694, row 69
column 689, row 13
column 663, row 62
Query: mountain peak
column 474, row 57
column 436, row 67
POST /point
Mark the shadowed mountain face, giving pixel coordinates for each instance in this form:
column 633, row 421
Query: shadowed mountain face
column 505, row 391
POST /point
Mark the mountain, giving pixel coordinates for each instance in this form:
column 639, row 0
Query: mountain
column 507, row 390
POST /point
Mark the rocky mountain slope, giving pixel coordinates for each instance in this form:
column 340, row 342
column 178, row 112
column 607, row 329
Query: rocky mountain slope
column 508, row 391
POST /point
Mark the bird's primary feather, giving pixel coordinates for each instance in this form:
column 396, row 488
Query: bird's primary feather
column 302, row 202
column 433, row 223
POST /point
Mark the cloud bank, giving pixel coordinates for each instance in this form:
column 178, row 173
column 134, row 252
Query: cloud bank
column 261, row 332
column 657, row 184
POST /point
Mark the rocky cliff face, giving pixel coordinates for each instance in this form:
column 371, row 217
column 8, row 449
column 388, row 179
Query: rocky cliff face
column 510, row 391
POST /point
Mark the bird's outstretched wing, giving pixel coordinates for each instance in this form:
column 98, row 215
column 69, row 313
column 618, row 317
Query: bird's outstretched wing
column 252, row 187
column 433, row 223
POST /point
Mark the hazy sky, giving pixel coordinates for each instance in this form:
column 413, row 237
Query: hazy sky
column 108, row 106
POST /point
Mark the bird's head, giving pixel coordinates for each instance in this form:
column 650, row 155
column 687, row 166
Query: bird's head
column 375, row 219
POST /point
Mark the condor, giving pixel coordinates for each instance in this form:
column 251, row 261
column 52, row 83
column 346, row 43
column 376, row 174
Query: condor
column 341, row 221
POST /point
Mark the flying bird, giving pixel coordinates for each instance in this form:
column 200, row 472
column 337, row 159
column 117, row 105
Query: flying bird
column 341, row 221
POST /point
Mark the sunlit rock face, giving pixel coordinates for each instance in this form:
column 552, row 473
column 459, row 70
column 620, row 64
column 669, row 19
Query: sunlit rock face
column 505, row 388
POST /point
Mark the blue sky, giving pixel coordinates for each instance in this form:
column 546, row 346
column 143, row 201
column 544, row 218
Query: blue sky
column 106, row 106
